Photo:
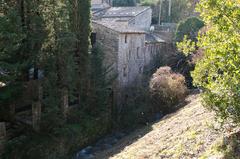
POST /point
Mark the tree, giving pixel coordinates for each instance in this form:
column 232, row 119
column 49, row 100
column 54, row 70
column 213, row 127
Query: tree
column 21, row 33
column 80, row 26
column 180, row 9
column 188, row 27
column 117, row 3
column 217, row 73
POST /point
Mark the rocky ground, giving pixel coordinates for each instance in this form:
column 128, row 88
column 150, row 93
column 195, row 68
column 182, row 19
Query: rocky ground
column 190, row 133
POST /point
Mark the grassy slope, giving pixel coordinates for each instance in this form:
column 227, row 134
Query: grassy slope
column 192, row 132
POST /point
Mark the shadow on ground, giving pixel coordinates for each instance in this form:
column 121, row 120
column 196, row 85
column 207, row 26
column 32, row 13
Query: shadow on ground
column 231, row 146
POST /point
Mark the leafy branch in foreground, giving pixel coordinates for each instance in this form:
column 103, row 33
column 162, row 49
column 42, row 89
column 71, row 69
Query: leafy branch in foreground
column 217, row 73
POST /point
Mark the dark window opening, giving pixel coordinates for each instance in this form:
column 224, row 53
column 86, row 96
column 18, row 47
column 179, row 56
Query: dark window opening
column 124, row 71
column 138, row 53
column 93, row 38
column 140, row 69
column 125, row 38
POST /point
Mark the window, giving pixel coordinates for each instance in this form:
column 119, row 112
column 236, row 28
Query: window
column 129, row 55
column 138, row 53
column 140, row 70
column 93, row 38
column 125, row 38
column 124, row 71
column 151, row 50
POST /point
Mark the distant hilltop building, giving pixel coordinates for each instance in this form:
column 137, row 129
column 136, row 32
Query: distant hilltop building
column 123, row 33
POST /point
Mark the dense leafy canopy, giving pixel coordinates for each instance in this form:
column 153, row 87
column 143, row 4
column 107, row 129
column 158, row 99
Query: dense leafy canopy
column 189, row 28
column 218, row 72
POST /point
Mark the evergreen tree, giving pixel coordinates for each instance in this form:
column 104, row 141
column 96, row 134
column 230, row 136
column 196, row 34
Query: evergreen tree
column 21, row 34
column 80, row 17
column 57, row 61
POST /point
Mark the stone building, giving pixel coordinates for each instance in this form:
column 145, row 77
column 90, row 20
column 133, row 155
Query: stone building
column 123, row 33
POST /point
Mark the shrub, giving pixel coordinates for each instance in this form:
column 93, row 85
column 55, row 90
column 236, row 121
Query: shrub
column 167, row 89
column 217, row 73
column 189, row 28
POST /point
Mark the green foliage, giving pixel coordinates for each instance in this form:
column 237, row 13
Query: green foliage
column 186, row 38
column 149, row 2
column 11, row 62
column 80, row 26
column 217, row 73
column 181, row 9
column 62, row 144
column 101, row 83
column 117, row 3
column 40, row 35
column 189, row 28
column 187, row 46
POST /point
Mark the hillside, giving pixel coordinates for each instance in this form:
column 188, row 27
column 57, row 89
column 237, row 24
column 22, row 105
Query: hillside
column 191, row 132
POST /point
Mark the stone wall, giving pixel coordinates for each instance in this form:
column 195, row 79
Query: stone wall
column 130, row 58
column 108, row 41
column 129, row 55
column 143, row 20
column 153, row 53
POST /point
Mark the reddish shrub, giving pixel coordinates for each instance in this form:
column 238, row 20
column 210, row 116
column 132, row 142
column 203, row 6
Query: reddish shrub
column 167, row 89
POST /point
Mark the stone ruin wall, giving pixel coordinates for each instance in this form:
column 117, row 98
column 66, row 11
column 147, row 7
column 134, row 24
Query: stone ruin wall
column 154, row 53
column 143, row 20
column 130, row 58
column 129, row 55
column 108, row 41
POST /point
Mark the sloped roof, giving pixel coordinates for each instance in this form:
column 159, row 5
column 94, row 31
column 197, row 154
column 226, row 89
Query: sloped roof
column 153, row 38
column 119, row 27
column 124, row 11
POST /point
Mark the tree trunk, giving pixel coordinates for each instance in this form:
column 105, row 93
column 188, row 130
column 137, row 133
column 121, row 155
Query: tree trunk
column 36, row 109
column 64, row 102
column 3, row 135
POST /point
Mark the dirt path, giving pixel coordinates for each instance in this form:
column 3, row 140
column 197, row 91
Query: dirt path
column 189, row 133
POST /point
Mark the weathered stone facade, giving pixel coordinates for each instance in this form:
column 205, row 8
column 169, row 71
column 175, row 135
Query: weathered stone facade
column 142, row 20
column 123, row 34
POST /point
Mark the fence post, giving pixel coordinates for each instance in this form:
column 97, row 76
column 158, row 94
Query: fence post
column 3, row 135
column 36, row 109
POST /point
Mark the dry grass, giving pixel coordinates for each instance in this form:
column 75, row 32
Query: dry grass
column 190, row 133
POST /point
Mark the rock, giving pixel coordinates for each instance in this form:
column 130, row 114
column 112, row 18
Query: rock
column 119, row 135
column 111, row 140
column 88, row 149
column 85, row 153
column 158, row 116
column 97, row 149
column 114, row 141
column 85, row 156
column 100, row 142
column 106, row 146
